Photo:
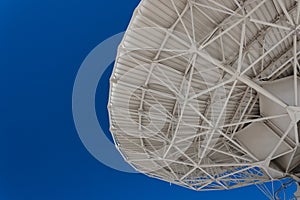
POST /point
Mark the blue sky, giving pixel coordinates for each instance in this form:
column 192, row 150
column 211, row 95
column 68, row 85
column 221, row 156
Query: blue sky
column 42, row 45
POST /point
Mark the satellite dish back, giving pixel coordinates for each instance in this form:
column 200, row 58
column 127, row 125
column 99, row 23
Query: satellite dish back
column 205, row 93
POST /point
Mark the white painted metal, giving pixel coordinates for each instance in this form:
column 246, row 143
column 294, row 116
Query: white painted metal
column 205, row 93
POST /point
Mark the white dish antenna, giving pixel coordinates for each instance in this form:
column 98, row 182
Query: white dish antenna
column 205, row 93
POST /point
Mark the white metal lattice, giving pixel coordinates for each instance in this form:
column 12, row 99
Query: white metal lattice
column 205, row 93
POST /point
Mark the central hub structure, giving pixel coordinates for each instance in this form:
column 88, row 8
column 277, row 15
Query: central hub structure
column 294, row 113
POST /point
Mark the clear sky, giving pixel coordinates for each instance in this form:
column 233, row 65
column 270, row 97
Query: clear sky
column 42, row 45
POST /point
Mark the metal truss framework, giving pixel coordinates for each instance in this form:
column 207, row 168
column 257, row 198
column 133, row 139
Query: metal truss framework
column 205, row 93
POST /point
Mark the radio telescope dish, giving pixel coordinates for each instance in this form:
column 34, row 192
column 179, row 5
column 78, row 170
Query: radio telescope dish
column 205, row 93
